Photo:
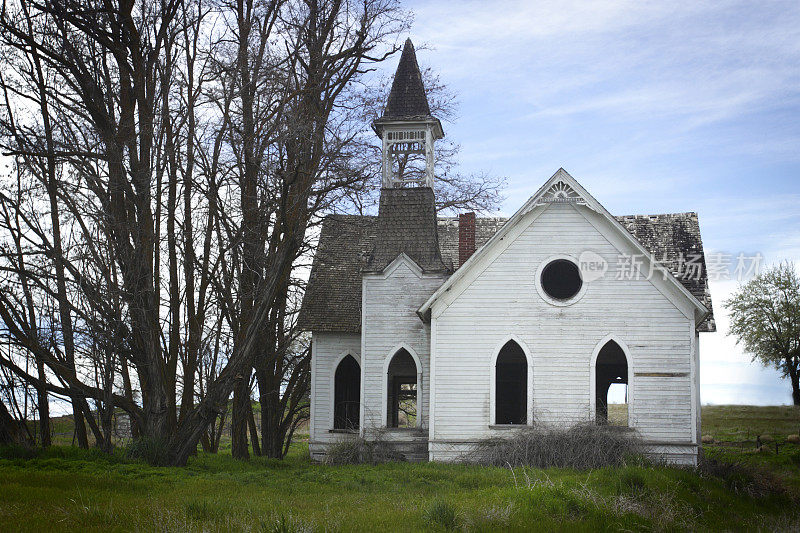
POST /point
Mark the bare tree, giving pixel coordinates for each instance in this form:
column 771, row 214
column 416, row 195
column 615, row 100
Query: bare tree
column 169, row 161
column 103, row 144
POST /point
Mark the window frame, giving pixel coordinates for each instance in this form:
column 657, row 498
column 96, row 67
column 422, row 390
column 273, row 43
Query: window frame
column 385, row 386
column 632, row 421
column 493, row 384
column 332, row 391
column 543, row 293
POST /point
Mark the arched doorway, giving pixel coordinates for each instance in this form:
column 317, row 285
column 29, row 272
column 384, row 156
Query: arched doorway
column 401, row 393
column 511, row 385
column 611, row 383
column 347, row 394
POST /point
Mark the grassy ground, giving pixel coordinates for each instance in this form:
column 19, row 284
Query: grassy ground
column 738, row 429
column 618, row 414
column 66, row 489
column 744, row 422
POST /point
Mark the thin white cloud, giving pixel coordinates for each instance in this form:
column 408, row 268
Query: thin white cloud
column 702, row 62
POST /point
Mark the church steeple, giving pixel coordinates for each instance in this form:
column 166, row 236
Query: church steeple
column 407, row 99
column 407, row 128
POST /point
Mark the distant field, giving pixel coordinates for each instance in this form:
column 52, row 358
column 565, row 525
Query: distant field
column 63, row 429
column 745, row 422
column 737, row 429
column 618, row 414
column 65, row 489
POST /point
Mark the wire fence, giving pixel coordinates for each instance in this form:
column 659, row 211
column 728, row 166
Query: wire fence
column 62, row 429
column 756, row 445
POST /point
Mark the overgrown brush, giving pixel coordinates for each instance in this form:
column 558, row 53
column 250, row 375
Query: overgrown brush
column 441, row 514
column 17, row 451
column 742, row 479
column 358, row 450
column 155, row 452
column 582, row 446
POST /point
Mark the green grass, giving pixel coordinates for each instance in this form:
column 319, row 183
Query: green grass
column 735, row 429
column 745, row 422
column 65, row 489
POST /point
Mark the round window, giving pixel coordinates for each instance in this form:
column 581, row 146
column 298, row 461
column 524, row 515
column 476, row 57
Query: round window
column 561, row 279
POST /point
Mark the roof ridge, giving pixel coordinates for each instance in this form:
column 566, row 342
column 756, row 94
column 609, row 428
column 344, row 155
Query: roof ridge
column 694, row 213
column 438, row 217
column 348, row 215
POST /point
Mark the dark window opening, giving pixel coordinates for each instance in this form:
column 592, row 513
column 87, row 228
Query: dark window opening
column 511, row 385
column 611, row 374
column 347, row 394
column 402, row 391
column 561, row 279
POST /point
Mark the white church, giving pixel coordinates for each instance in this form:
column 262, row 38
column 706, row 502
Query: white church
column 436, row 333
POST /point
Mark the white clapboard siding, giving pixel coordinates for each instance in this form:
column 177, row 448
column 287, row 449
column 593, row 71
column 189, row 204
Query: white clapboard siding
column 503, row 301
column 327, row 350
column 389, row 320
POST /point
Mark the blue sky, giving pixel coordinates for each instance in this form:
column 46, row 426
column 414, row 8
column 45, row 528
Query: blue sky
column 653, row 107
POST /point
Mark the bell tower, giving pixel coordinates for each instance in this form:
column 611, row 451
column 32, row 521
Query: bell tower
column 407, row 128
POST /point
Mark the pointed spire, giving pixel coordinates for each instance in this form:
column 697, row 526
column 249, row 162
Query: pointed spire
column 407, row 128
column 407, row 98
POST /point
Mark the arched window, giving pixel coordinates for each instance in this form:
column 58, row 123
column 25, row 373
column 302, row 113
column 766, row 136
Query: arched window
column 347, row 394
column 511, row 385
column 611, row 385
column 401, row 393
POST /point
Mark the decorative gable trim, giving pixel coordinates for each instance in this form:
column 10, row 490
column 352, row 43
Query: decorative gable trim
column 560, row 193
column 401, row 259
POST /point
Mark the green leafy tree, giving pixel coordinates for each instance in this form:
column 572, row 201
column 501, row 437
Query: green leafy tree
column 765, row 319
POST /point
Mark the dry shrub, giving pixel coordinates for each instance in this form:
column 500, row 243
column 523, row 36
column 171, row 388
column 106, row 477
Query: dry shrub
column 707, row 439
column 788, row 521
column 359, row 450
column 582, row 446
column 664, row 509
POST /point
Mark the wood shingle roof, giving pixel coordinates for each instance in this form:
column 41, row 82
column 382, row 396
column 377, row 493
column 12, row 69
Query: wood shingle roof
column 407, row 224
column 407, row 97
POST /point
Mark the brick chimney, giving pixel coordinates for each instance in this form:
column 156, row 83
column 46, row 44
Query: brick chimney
column 466, row 237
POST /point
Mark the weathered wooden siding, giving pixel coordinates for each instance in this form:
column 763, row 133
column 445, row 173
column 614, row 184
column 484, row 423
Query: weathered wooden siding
column 327, row 350
column 389, row 320
column 503, row 300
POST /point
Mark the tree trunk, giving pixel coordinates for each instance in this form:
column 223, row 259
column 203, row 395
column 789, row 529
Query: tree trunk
column 271, row 434
column 128, row 389
column 44, row 405
column 218, row 434
column 241, row 405
column 251, row 423
column 10, row 429
column 794, row 377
